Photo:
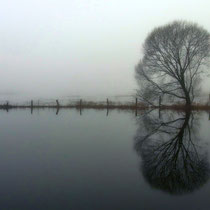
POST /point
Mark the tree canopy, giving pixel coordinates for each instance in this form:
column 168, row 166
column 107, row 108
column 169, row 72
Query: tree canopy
column 174, row 58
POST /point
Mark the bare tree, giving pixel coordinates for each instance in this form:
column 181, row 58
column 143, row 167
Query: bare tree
column 174, row 58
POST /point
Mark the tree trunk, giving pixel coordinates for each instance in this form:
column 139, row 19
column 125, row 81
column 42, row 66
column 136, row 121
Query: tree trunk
column 187, row 100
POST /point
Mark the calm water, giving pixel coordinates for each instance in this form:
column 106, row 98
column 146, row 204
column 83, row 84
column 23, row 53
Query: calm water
column 94, row 161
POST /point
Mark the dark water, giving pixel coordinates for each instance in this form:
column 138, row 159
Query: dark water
column 93, row 161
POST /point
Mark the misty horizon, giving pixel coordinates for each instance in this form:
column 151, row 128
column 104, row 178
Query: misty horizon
column 57, row 49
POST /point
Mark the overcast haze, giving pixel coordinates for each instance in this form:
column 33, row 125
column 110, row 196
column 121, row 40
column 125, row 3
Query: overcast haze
column 56, row 48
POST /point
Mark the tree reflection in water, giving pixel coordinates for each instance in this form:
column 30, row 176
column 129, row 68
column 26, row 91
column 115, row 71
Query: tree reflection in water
column 172, row 159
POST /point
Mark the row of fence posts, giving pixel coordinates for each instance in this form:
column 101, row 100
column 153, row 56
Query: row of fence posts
column 80, row 103
column 107, row 103
column 80, row 106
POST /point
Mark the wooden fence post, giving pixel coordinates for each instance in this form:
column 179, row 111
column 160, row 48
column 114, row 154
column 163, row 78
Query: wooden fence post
column 107, row 107
column 80, row 106
column 160, row 99
column 32, row 104
column 7, row 106
column 57, row 102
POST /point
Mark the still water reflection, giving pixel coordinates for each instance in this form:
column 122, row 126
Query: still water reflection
column 94, row 160
column 172, row 159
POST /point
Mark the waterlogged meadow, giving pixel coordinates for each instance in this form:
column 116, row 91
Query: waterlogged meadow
column 104, row 160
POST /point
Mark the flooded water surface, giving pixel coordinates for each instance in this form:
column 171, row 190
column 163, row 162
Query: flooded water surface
column 104, row 161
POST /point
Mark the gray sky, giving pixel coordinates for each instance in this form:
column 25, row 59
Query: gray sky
column 52, row 48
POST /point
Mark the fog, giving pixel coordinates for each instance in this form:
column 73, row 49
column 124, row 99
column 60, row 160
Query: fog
column 62, row 48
